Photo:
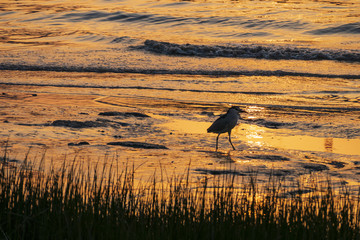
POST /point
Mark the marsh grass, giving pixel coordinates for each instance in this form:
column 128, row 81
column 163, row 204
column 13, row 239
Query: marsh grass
column 77, row 201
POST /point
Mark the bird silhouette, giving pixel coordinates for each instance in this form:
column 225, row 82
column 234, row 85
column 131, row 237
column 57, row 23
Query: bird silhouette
column 225, row 123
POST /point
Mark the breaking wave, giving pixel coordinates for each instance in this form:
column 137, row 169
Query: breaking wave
column 250, row 51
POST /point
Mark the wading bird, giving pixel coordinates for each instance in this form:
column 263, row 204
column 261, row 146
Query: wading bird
column 225, row 123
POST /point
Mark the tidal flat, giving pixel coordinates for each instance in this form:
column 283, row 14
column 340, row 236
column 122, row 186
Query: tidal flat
column 151, row 130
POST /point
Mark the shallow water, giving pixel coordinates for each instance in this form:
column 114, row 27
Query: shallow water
column 294, row 66
column 205, row 37
column 296, row 141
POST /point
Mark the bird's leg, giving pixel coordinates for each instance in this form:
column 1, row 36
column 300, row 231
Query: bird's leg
column 230, row 140
column 217, row 139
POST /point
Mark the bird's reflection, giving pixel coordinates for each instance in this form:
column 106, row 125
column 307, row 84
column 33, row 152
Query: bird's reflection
column 223, row 157
column 329, row 144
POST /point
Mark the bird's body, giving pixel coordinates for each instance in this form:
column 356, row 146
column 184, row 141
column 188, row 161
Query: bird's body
column 225, row 123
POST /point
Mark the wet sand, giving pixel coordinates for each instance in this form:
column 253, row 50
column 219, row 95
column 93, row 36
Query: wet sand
column 161, row 136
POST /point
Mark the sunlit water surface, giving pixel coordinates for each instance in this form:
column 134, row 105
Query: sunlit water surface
column 294, row 66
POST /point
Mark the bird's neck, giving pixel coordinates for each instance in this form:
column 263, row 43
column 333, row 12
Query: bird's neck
column 233, row 112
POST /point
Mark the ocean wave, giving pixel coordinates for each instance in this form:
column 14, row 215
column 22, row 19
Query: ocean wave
column 61, row 68
column 349, row 28
column 149, row 19
column 250, row 51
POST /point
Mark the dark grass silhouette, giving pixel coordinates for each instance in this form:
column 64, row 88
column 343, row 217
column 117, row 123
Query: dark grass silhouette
column 80, row 202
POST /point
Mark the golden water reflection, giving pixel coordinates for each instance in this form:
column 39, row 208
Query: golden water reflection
column 256, row 136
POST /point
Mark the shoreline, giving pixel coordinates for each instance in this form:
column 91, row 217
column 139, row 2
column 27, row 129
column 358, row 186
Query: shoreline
column 29, row 114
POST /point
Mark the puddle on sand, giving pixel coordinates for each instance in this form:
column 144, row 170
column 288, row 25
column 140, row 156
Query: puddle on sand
column 257, row 136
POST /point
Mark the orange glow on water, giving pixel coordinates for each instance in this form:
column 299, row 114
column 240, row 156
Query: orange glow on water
column 174, row 61
column 263, row 137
